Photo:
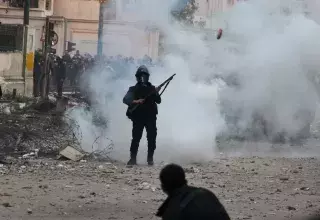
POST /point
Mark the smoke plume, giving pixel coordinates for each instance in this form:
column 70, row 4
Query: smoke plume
column 270, row 48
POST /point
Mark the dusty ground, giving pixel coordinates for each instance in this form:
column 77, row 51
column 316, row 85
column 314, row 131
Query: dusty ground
column 50, row 189
column 250, row 188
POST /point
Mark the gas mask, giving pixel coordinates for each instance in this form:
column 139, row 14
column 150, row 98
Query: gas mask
column 143, row 79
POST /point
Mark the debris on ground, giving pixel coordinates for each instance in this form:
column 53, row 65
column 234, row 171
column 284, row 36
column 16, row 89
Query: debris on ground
column 72, row 154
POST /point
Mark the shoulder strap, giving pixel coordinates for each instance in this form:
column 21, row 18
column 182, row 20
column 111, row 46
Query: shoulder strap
column 189, row 198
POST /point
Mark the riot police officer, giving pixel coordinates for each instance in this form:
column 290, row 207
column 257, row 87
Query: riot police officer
column 60, row 75
column 142, row 100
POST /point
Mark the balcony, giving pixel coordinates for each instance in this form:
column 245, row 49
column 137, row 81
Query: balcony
column 38, row 8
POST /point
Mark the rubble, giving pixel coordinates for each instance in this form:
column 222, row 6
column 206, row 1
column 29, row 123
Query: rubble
column 6, row 204
column 305, row 188
column 291, row 208
column 146, row 186
column 31, row 154
column 284, row 178
column 192, row 170
column 85, row 183
column 72, row 154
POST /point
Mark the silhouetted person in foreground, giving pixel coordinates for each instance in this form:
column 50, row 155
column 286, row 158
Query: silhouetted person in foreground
column 186, row 202
column 145, row 97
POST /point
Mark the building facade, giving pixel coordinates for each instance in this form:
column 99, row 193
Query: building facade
column 209, row 11
column 77, row 21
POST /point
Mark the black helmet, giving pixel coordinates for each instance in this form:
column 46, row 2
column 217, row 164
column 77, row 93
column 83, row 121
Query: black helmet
column 142, row 70
column 142, row 75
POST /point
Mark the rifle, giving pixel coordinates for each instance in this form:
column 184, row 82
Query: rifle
column 165, row 83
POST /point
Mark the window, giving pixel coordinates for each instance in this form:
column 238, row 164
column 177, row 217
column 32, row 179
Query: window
column 16, row 3
column 111, row 4
column 230, row 2
column 20, row 3
column 48, row 5
column 34, row 3
column 11, row 37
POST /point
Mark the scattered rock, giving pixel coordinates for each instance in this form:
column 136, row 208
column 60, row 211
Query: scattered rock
column 82, row 197
column 43, row 186
column 6, row 204
column 305, row 188
column 153, row 188
column 144, row 186
column 60, row 165
column 284, row 178
column 192, row 170
column 29, row 211
column 5, row 194
column 6, row 110
column 72, row 154
column 291, row 208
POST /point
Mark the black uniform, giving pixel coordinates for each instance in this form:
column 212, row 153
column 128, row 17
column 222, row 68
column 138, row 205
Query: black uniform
column 186, row 202
column 192, row 203
column 144, row 116
column 60, row 75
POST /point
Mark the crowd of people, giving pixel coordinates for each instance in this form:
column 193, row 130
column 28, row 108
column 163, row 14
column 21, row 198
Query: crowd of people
column 67, row 70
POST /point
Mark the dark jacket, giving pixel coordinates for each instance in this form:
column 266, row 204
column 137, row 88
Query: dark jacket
column 191, row 203
column 149, row 108
column 59, row 70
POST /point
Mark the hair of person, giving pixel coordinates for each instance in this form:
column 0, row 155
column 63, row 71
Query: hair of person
column 172, row 177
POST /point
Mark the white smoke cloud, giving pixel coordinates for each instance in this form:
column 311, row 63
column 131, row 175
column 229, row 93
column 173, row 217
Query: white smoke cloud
column 270, row 45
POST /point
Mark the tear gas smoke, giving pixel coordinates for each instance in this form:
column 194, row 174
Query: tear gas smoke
column 269, row 47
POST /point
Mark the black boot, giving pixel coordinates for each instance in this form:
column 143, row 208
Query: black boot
column 132, row 161
column 150, row 158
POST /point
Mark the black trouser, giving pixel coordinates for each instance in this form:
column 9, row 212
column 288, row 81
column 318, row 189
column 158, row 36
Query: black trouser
column 137, row 131
column 59, row 84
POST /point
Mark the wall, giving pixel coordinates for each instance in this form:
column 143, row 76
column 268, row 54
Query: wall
column 12, row 75
column 34, row 12
column 128, row 39
column 209, row 9
column 35, row 23
column 11, row 71
column 120, row 37
column 77, row 9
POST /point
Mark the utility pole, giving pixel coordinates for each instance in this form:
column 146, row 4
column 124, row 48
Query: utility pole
column 26, row 19
column 100, row 29
column 44, row 75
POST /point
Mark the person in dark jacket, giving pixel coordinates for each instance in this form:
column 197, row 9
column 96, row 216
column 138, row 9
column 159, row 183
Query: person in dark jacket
column 142, row 100
column 60, row 75
column 185, row 202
